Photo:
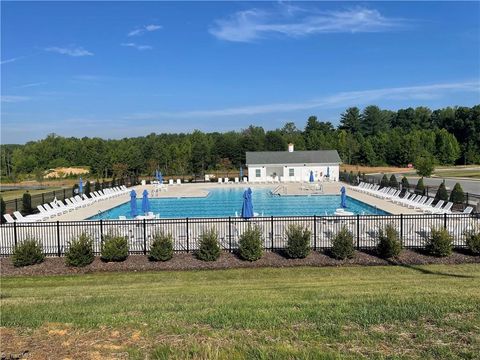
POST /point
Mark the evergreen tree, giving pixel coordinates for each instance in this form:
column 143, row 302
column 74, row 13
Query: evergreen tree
column 420, row 188
column 27, row 204
column 441, row 192
column 384, row 182
column 88, row 188
column 350, row 120
column 393, row 183
column 457, row 195
column 405, row 183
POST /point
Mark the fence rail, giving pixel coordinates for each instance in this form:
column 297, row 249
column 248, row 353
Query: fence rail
column 413, row 230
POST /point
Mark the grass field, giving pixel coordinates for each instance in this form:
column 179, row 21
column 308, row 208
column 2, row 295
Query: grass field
column 13, row 194
column 312, row 313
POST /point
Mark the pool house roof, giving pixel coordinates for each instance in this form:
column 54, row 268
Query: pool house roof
column 294, row 157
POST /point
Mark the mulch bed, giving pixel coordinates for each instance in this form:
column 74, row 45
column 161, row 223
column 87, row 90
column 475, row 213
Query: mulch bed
column 187, row 261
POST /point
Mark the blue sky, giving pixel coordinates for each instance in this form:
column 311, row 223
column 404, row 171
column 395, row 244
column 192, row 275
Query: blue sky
column 116, row 69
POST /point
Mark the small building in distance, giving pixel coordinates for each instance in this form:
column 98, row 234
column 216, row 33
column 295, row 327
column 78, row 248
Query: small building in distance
column 288, row 166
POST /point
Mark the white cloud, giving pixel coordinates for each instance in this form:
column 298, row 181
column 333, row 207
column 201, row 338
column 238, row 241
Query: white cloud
column 293, row 21
column 348, row 98
column 137, row 46
column 11, row 60
column 31, row 85
column 13, row 98
column 70, row 51
column 144, row 29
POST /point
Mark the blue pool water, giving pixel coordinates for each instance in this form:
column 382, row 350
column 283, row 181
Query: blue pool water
column 225, row 202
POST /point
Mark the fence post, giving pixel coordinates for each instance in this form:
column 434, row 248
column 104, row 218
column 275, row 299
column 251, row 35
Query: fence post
column 271, row 223
column 144, row 237
column 445, row 220
column 101, row 230
column 188, row 235
column 59, row 252
column 43, row 198
column 466, row 199
column 16, row 204
column 401, row 229
column 64, row 194
column 230, row 233
column 314, row 232
column 15, row 236
column 358, row 231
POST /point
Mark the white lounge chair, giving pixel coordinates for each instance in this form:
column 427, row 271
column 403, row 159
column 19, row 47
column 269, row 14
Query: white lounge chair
column 170, row 182
column 226, row 181
column 9, row 218
column 236, row 180
column 444, row 210
column 179, row 182
column 467, row 210
column 29, row 218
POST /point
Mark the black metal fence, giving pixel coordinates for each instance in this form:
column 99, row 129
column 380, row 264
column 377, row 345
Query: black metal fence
column 62, row 194
column 413, row 231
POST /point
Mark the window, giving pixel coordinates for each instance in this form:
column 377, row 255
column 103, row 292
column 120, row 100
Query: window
column 291, row 172
column 258, row 173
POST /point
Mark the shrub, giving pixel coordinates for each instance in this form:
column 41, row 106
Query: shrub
column 393, row 183
column 114, row 248
column 298, row 241
column 473, row 240
column 3, row 209
column 208, row 249
column 80, row 252
column 27, row 204
column 75, row 189
column 420, row 188
column 457, row 196
column 389, row 244
column 250, row 244
column 405, row 183
column 352, row 178
column 88, row 188
column 162, row 247
column 28, row 252
column 441, row 193
column 439, row 243
column 384, row 181
column 97, row 186
column 342, row 244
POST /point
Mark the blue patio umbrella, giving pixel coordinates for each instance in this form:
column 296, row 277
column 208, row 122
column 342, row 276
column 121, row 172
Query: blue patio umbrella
column 328, row 171
column 343, row 197
column 247, row 207
column 241, row 173
column 160, row 177
column 156, row 174
column 80, row 186
column 312, row 179
column 133, row 203
column 145, row 202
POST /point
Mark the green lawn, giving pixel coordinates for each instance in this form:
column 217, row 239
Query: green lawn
column 313, row 313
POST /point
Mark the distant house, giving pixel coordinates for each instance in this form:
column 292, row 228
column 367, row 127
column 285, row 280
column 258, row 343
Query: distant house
column 293, row 165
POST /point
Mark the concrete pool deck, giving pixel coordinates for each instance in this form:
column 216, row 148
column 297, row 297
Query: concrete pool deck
column 201, row 190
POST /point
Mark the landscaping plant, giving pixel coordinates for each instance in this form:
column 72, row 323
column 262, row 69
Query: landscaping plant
column 114, row 248
column 393, row 183
column 457, row 195
column 439, row 243
column 28, row 252
column 342, row 244
column 384, row 181
column 420, row 188
column 298, row 241
column 473, row 240
column 250, row 244
column 27, row 204
column 80, row 251
column 162, row 247
column 3, row 209
column 209, row 249
column 441, row 192
column 405, row 183
column 389, row 244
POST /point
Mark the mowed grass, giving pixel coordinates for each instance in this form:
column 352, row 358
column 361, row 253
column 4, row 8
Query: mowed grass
column 312, row 313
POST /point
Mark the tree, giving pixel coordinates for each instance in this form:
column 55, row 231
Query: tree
column 88, row 188
column 393, row 183
column 274, row 141
column 27, row 204
column 457, row 195
column 98, row 186
column 447, row 148
column 350, row 120
column 384, row 182
column 441, row 192
column 405, row 183
column 420, row 188
column 373, row 121
column 425, row 165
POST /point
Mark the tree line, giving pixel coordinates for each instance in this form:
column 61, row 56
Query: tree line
column 372, row 136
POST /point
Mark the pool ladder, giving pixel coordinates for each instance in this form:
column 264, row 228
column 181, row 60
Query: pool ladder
column 280, row 190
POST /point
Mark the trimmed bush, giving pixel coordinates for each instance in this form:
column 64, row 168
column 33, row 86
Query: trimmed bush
column 389, row 244
column 342, row 244
column 384, row 181
column 114, row 248
column 27, row 204
column 250, row 244
column 439, row 243
column 473, row 240
column 88, row 188
column 441, row 193
column 80, row 251
column 420, row 188
column 28, row 252
column 75, row 189
column 298, row 241
column 208, row 249
column 3, row 209
column 162, row 247
column 405, row 183
column 457, row 196
column 393, row 183
column 97, row 186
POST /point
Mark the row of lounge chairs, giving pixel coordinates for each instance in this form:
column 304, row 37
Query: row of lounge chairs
column 55, row 208
column 419, row 202
column 283, row 179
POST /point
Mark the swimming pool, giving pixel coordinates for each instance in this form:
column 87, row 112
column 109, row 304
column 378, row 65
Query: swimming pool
column 225, row 202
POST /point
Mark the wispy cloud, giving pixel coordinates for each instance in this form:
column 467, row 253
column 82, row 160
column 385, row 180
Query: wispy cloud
column 6, row 61
column 13, row 98
column 143, row 29
column 31, row 85
column 348, row 98
column 294, row 21
column 137, row 46
column 70, row 51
